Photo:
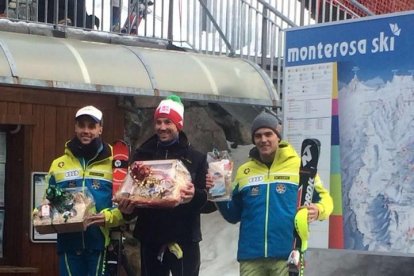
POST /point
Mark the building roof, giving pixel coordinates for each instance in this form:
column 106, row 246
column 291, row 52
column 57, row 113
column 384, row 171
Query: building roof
column 84, row 66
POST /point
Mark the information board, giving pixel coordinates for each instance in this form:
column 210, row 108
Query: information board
column 309, row 91
column 372, row 125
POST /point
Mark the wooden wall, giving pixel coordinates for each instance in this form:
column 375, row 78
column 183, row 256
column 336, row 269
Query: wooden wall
column 47, row 122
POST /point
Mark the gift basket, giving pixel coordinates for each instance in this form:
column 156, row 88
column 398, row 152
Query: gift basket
column 220, row 167
column 63, row 210
column 155, row 183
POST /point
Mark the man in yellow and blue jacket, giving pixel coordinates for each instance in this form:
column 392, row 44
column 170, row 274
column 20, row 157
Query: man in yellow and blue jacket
column 87, row 165
column 264, row 201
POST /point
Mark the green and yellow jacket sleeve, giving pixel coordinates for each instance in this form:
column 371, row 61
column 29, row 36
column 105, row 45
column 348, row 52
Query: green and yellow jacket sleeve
column 323, row 200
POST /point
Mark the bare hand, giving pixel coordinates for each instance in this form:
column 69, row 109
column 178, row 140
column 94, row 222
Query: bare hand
column 313, row 212
column 187, row 192
column 96, row 219
column 126, row 206
column 209, row 182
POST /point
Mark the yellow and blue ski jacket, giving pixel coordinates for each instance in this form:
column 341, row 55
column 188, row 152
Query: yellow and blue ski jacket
column 95, row 175
column 264, row 201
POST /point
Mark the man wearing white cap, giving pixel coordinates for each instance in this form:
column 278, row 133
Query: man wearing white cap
column 170, row 237
column 86, row 165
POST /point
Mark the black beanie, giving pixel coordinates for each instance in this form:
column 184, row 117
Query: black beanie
column 265, row 120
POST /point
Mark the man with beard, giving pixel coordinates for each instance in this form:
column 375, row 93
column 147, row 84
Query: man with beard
column 86, row 166
column 170, row 236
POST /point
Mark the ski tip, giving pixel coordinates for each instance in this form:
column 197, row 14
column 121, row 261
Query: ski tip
column 312, row 140
column 119, row 141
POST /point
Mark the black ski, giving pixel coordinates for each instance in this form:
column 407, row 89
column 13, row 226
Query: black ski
column 308, row 168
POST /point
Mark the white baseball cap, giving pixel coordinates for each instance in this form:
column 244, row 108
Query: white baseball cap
column 91, row 111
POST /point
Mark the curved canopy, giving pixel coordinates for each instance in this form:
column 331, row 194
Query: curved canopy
column 49, row 62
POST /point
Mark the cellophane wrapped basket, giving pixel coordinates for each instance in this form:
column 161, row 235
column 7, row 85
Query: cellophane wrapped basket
column 63, row 210
column 155, row 183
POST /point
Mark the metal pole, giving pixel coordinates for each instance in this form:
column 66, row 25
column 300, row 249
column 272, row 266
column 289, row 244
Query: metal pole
column 214, row 22
column 170, row 21
column 264, row 37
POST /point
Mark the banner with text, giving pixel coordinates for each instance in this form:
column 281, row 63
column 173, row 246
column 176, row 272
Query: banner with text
column 372, row 125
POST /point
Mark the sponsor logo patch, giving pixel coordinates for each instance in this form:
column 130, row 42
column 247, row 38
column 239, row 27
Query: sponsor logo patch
column 97, row 174
column 165, row 109
column 281, row 177
column 254, row 191
column 117, row 163
column 254, row 179
column 71, row 174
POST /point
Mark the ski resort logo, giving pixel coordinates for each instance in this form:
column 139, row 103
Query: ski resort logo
column 395, row 29
column 380, row 43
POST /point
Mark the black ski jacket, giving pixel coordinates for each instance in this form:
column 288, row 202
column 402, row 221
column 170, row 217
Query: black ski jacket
column 182, row 223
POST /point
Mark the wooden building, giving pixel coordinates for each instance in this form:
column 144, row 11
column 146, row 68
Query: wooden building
column 44, row 80
column 37, row 123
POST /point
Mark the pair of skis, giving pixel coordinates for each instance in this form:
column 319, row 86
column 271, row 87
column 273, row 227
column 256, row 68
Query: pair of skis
column 310, row 151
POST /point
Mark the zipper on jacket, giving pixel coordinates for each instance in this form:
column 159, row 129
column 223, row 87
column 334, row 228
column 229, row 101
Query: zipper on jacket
column 166, row 154
column 267, row 212
column 83, row 189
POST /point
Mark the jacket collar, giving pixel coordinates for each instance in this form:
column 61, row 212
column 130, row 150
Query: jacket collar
column 284, row 151
column 153, row 142
column 105, row 153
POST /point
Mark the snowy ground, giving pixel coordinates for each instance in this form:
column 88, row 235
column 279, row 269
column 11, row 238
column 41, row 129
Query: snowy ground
column 219, row 249
column 219, row 246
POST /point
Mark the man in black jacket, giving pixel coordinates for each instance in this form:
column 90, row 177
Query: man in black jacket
column 170, row 236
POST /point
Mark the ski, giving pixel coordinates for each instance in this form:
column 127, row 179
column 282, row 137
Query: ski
column 309, row 155
column 120, row 162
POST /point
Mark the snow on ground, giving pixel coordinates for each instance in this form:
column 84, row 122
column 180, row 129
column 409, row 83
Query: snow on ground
column 219, row 245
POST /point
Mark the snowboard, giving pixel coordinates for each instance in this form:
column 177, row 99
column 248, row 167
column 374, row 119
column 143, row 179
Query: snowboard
column 309, row 155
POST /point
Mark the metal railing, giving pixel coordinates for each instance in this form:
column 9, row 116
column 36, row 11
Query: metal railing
column 251, row 29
